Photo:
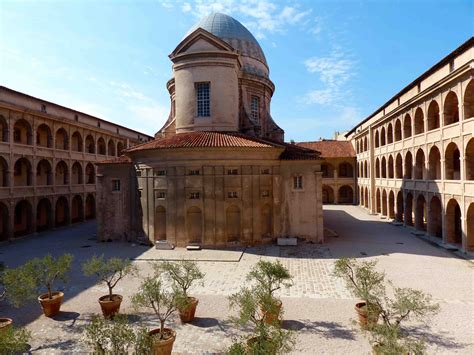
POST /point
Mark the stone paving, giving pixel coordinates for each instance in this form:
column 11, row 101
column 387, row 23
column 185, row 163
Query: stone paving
column 318, row 305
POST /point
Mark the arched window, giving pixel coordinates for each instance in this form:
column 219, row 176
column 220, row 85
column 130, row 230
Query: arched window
column 76, row 173
column 469, row 100
column 407, row 126
column 435, row 218
column 22, row 132
column 345, row 170
column 377, row 168
column 433, row 115
column 3, row 129
column 451, row 109
column 3, row 172
column 111, row 148
column 389, row 134
column 328, row 194
column 408, row 166
column 366, row 147
column 382, row 136
column 90, row 145
column 43, row 136
column 101, row 146
column 327, row 170
column 62, row 141
column 399, row 167
column 419, row 121
column 377, row 139
column 62, row 173
column 76, row 142
column 119, row 148
column 22, row 172
column 469, row 159
column 420, row 213
column 62, row 212
column 452, row 162
column 90, row 174
column 384, row 168
column 434, row 164
column 398, row 131
column 390, row 167
column 453, row 222
column 346, row 194
column 44, row 174
column 420, row 164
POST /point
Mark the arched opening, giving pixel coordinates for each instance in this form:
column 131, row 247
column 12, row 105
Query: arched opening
column 420, row 213
column 3, row 222
column 44, row 174
column 111, row 147
column 327, row 170
column 469, row 100
column 62, row 141
column 470, row 227
column 435, row 227
column 76, row 142
column 389, row 133
column 361, row 197
column 194, row 225
column 266, row 221
column 469, row 159
column 62, row 212
column 23, row 219
column 160, row 223
column 328, row 194
column 101, row 146
column 358, row 147
column 382, row 136
column 400, row 207
column 22, row 132
column 233, row 224
column 378, row 201
column 62, row 173
column 377, row 168
column 433, row 115
column 452, row 162
column 77, row 209
column 384, row 168
column 377, row 139
column 345, row 170
column 76, row 173
column 398, row 131
column 390, row 167
column 346, row 194
column 409, row 210
column 408, row 166
column 453, row 223
column 391, row 205
column 384, row 203
column 44, row 218
column 419, row 121
column 43, row 136
column 399, row 167
column 366, row 147
column 366, row 169
column 366, row 196
column 3, row 129
column 420, row 165
column 90, row 145
column 22, row 172
column 90, row 207
column 451, row 109
column 90, row 174
column 3, row 172
column 407, row 126
column 119, row 148
column 434, row 164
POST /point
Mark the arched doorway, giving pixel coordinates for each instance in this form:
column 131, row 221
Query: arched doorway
column 77, row 210
column 453, row 223
column 266, row 221
column 44, row 219
column 469, row 100
column 409, row 210
column 3, row 221
column 328, row 194
column 469, row 159
column 384, row 203
column 346, row 194
column 420, row 213
column 194, row 225
column 62, row 212
column 90, row 207
column 233, row 224
column 391, row 205
column 400, row 207
column 377, row 201
column 3, row 172
column 160, row 223
column 22, row 219
column 470, row 228
column 435, row 227
column 366, row 198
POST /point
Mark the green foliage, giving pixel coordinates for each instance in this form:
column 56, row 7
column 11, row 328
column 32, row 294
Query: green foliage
column 45, row 271
column 270, row 276
column 14, row 340
column 154, row 294
column 183, row 273
column 18, row 286
column 110, row 271
column 389, row 340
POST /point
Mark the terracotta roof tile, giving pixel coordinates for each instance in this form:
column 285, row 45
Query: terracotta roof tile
column 331, row 148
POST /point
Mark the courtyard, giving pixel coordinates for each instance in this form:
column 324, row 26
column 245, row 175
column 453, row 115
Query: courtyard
column 318, row 306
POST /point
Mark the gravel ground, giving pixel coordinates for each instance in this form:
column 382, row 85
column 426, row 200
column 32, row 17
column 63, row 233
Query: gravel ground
column 318, row 305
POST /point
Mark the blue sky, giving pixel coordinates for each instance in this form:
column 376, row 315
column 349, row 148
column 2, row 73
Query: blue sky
column 333, row 62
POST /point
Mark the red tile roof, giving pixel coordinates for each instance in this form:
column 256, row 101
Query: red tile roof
column 331, row 148
column 119, row 160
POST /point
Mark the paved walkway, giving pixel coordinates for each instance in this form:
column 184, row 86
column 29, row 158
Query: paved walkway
column 318, row 305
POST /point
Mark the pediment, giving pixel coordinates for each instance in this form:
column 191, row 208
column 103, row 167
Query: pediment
column 201, row 41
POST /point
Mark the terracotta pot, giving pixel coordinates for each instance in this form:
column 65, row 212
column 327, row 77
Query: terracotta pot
column 51, row 306
column 5, row 324
column 366, row 320
column 273, row 316
column 187, row 314
column 110, row 307
column 163, row 346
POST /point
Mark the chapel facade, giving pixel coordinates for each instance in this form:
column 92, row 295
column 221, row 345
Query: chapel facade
column 218, row 173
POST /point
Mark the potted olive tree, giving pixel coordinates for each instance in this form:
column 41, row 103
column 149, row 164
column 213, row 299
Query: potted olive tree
column 183, row 274
column 270, row 277
column 366, row 283
column 110, row 272
column 155, row 294
column 43, row 272
column 263, row 337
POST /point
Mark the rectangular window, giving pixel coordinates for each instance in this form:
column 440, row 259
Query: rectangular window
column 255, row 108
column 298, row 182
column 160, row 173
column 115, row 185
column 194, row 172
column 161, row 195
column 194, row 195
column 265, row 171
column 232, row 194
column 203, row 99
column 232, row 172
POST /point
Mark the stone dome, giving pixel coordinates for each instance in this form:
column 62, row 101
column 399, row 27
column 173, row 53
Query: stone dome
column 239, row 37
